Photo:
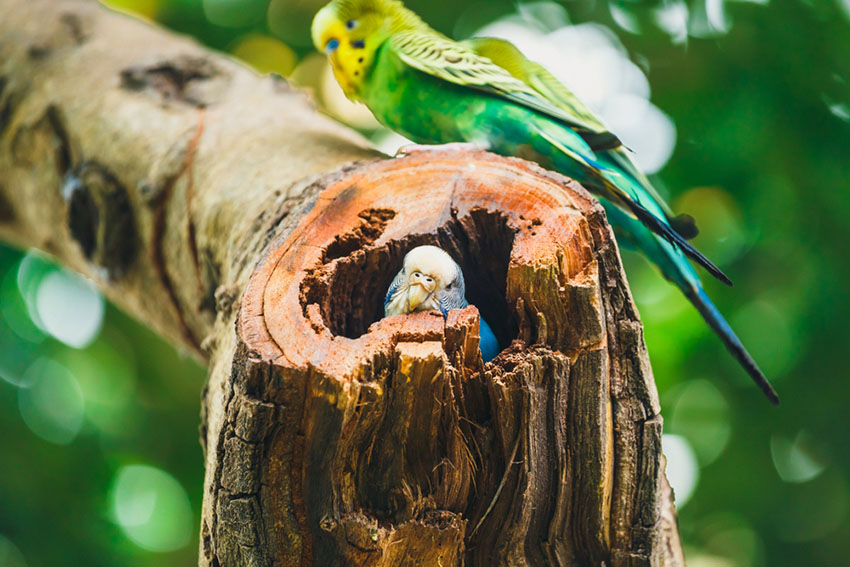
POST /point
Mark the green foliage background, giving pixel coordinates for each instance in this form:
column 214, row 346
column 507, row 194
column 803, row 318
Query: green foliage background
column 762, row 111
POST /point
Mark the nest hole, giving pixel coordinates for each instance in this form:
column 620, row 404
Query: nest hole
column 349, row 289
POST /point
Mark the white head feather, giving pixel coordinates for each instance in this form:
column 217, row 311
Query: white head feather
column 433, row 262
column 427, row 273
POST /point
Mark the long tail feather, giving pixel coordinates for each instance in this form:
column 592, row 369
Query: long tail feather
column 719, row 325
column 667, row 232
column 596, row 170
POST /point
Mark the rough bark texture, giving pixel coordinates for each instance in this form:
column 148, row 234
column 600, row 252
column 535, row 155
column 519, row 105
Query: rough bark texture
column 170, row 175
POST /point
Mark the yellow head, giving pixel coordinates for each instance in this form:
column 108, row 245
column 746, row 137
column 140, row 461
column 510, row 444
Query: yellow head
column 350, row 32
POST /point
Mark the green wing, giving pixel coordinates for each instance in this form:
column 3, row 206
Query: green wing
column 461, row 64
column 504, row 54
column 457, row 63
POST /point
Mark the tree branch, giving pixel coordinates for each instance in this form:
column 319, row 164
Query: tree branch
column 147, row 162
column 222, row 210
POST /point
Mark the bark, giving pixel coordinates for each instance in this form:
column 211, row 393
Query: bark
column 221, row 209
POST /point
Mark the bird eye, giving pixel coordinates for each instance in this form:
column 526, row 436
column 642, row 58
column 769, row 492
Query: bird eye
column 331, row 45
column 448, row 287
column 350, row 24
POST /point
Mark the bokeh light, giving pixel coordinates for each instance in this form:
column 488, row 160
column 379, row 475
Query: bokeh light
column 722, row 235
column 69, row 308
column 624, row 17
column 708, row 19
column 840, row 109
column 682, row 469
column 59, row 303
column 672, row 17
column 32, row 270
column 590, row 60
column 15, row 359
column 152, row 508
column 265, row 54
column 795, row 459
column 107, row 377
column 51, row 402
column 15, row 312
column 72, row 415
column 632, row 117
column 700, row 413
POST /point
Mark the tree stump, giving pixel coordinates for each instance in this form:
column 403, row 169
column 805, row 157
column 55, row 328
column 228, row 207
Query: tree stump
column 357, row 440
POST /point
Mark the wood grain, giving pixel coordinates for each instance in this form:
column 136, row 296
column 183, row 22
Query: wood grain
column 548, row 455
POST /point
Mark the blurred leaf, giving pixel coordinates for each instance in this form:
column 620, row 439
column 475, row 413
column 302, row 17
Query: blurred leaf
column 265, row 54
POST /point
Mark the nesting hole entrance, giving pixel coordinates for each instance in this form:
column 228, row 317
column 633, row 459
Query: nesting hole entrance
column 350, row 284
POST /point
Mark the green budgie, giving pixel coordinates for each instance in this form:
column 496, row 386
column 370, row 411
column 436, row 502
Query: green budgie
column 434, row 90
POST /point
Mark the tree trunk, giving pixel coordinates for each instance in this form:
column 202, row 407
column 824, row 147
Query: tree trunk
column 221, row 209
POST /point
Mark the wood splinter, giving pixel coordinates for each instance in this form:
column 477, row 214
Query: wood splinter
column 386, row 441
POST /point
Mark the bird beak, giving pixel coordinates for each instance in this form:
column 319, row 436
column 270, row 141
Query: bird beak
column 417, row 294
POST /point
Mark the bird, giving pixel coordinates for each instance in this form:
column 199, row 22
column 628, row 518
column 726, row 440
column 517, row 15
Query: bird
column 434, row 90
column 430, row 280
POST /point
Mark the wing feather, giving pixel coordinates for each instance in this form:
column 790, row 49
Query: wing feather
column 459, row 63
column 507, row 56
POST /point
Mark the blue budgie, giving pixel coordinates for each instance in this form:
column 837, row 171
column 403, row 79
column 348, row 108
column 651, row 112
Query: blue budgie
column 430, row 280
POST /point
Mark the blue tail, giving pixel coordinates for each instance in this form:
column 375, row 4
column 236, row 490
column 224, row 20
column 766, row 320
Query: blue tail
column 719, row 325
column 676, row 268
column 611, row 175
column 488, row 343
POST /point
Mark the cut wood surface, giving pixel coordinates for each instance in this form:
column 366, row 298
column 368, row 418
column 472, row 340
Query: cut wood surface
column 221, row 209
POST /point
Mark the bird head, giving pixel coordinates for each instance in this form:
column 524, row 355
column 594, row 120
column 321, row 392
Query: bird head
column 429, row 280
column 350, row 32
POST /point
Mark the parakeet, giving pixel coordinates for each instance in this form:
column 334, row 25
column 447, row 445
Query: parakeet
column 434, row 90
column 430, row 280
